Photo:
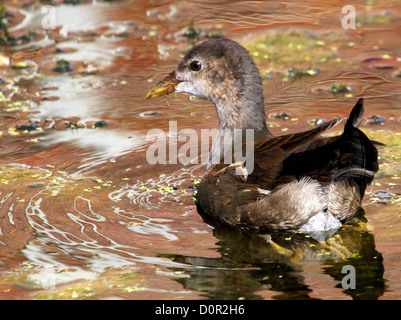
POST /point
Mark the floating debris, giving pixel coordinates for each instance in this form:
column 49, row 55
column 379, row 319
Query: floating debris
column 27, row 127
column 192, row 34
column 385, row 197
column 341, row 88
column 72, row 125
column 376, row 120
column 148, row 114
column 20, row 65
column 63, row 66
column 74, row 2
column 37, row 185
column 297, row 73
column 31, row 35
column 282, row 116
column 316, row 122
column 100, row 124
column 12, row 132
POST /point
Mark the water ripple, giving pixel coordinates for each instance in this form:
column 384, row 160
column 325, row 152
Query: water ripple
column 143, row 193
column 60, row 243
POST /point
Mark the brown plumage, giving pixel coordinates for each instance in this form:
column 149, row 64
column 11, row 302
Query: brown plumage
column 298, row 181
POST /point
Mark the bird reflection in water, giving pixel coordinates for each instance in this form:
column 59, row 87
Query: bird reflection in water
column 252, row 262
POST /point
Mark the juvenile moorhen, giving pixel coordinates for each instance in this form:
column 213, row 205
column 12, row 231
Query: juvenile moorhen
column 299, row 181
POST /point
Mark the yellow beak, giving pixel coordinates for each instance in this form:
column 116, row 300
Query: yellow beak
column 163, row 87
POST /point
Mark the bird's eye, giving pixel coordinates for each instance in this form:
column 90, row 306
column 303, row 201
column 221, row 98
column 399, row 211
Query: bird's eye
column 195, row 65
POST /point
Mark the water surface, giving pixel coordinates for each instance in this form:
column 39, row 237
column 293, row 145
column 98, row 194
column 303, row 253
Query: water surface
column 83, row 215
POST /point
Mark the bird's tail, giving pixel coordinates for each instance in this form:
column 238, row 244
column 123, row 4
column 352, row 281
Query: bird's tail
column 358, row 155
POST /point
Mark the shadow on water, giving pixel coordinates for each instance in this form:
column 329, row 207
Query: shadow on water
column 251, row 263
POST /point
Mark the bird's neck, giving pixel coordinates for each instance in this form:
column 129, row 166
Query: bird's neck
column 243, row 113
column 235, row 122
column 239, row 101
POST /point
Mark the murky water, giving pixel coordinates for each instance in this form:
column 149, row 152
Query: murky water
column 83, row 215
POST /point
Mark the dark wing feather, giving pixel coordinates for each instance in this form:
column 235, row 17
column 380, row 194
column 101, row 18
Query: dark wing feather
column 270, row 155
column 351, row 153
